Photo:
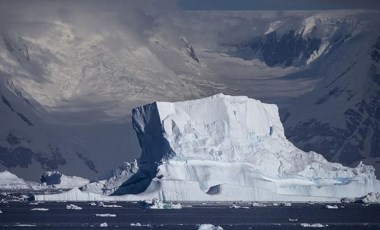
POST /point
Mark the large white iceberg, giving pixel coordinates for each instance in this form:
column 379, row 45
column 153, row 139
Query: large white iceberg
column 223, row 148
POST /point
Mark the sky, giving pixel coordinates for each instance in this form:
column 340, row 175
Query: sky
column 278, row 4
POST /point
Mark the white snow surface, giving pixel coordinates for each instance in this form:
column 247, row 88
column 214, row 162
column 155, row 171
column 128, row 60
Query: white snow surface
column 105, row 215
column 225, row 148
column 73, row 207
column 11, row 181
column 316, row 225
column 72, row 182
column 157, row 204
column 209, row 227
column 40, row 209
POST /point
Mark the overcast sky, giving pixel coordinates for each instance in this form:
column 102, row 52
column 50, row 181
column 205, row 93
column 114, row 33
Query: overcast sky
column 278, row 4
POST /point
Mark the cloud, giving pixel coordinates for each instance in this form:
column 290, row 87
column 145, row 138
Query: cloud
column 94, row 16
column 278, row 4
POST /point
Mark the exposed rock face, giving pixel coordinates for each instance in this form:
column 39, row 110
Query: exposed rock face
column 340, row 118
column 190, row 50
column 289, row 49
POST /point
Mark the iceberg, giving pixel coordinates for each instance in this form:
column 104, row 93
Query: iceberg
column 209, row 227
column 57, row 180
column 222, row 148
column 73, row 207
column 157, row 204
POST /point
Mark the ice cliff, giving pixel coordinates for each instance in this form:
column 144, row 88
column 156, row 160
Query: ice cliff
column 223, row 148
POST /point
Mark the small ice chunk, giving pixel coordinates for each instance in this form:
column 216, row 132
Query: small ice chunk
column 105, row 215
column 255, row 204
column 238, row 207
column 293, row 220
column 332, row 206
column 73, row 207
column 1, row 212
column 209, row 227
column 316, row 225
column 371, row 198
column 158, row 204
column 92, row 203
column 101, row 204
column 40, row 209
column 286, row 204
column 103, row 225
column 136, row 224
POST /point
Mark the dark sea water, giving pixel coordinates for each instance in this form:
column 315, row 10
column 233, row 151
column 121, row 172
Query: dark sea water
column 348, row 216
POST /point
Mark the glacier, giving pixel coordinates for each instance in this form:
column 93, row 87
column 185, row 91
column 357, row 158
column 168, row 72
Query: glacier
column 222, row 148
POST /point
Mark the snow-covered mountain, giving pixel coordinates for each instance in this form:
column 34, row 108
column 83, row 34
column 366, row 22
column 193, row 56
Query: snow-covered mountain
column 65, row 108
column 11, row 181
column 340, row 117
column 68, row 87
column 223, row 148
column 295, row 41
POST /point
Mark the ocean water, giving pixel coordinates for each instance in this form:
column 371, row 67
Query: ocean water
column 16, row 215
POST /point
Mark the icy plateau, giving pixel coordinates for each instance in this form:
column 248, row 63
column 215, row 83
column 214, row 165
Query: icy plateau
column 222, row 148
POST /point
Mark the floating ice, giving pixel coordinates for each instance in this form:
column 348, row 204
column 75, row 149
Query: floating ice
column 105, row 215
column 58, row 180
column 73, row 207
column 332, row 206
column 371, row 198
column 255, row 204
column 222, row 148
column 40, row 209
column 101, row 204
column 234, row 206
column 103, row 225
column 209, row 227
column 158, row 204
column 316, row 225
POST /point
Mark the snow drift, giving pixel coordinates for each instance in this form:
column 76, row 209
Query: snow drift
column 223, row 148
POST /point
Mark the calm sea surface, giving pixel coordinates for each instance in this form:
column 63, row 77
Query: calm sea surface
column 16, row 215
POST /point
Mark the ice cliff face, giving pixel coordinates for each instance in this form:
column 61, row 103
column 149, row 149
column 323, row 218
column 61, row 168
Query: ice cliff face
column 224, row 148
column 190, row 130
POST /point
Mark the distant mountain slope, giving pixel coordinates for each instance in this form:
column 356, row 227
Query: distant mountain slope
column 65, row 99
column 27, row 141
column 68, row 89
column 341, row 116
